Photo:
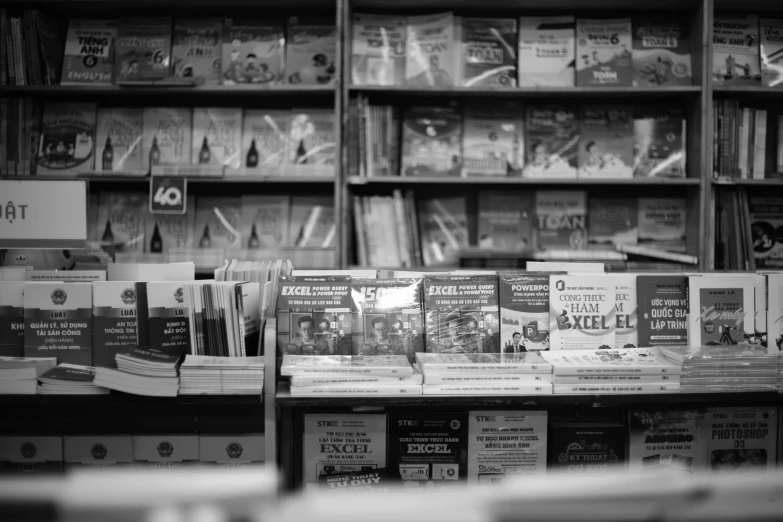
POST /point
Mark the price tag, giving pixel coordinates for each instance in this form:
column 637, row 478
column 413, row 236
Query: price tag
column 168, row 195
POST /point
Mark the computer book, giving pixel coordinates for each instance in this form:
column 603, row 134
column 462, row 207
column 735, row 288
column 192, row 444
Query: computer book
column 346, row 365
column 659, row 142
column 196, row 49
column 606, row 142
column 431, row 141
column 67, row 142
column 524, row 312
column 89, row 52
column 378, row 49
column 169, row 327
column 11, row 318
column 626, row 312
column 551, row 142
column 505, row 221
column 547, row 50
column 431, row 51
column 661, row 52
column 265, row 221
column 770, row 51
column 721, row 309
column 582, row 312
column 662, row 310
column 217, row 137
column 561, row 220
column 253, row 51
column 314, row 315
column 667, row 439
column 359, row 390
column 114, row 320
column 310, row 51
column 612, row 221
column 735, row 49
column 143, row 49
column 603, row 52
column 462, row 314
column 630, row 361
column 482, row 363
column 167, row 136
column 118, row 140
column 492, row 140
column 489, row 52
column 265, row 141
column 586, row 449
column 742, row 439
column 662, row 223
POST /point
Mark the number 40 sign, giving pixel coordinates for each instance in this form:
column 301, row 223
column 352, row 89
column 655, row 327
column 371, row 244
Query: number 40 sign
column 168, row 195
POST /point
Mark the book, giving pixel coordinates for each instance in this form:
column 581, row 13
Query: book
column 585, row 449
column 118, row 140
column 505, row 444
column 603, row 52
column 551, row 142
column 67, row 141
column 482, row 363
column 667, row 439
column 493, row 389
column 606, row 142
column 721, row 309
column 114, row 320
column 313, row 140
column 561, row 219
column 217, row 137
column 462, row 314
column 265, row 140
column 626, row 312
column 770, row 52
column 662, row 223
column 314, row 315
column 766, row 218
column 253, row 51
column 310, row 51
column 378, row 49
column 659, row 142
column 774, row 310
column 524, row 312
column 489, row 52
column 431, row 141
column 11, row 319
column 443, row 229
column 58, row 322
column 735, row 44
column 167, row 136
column 122, row 219
column 615, row 389
column 169, row 327
column 431, row 51
column 217, row 223
column 492, row 140
column 143, row 49
column 581, row 312
column 89, row 52
column 265, row 221
column 20, row 368
column 312, row 221
column 491, row 379
column 742, row 439
column 547, row 47
column 196, row 49
column 167, row 232
column 118, row 380
column 359, row 391
column 612, row 221
column 628, row 361
column 743, row 359
column 662, row 310
column 621, row 379
column 661, row 52
column 205, row 375
column 70, row 379
column 505, row 221
column 49, row 36
column 326, row 380
column 341, row 365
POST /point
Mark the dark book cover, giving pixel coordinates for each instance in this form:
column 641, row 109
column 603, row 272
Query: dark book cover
column 143, row 49
column 114, row 320
column 169, row 327
column 150, row 356
column 662, row 310
column 12, row 318
column 524, row 311
column 69, row 374
column 431, row 139
column 586, row 449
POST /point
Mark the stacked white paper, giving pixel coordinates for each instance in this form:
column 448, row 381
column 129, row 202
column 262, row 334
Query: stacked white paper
column 19, row 375
column 204, row 375
column 70, row 379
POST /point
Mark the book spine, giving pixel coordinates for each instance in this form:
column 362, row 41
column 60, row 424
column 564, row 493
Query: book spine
column 363, row 370
column 309, row 382
column 402, row 229
column 658, row 254
column 630, row 389
column 18, row 61
column 413, row 220
column 630, row 370
column 751, row 141
column 510, row 379
column 4, row 136
column 489, row 389
column 3, row 55
column 462, row 369
column 361, row 240
column 9, row 51
column 30, row 48
column 744, row 139
column 779, row 166
column 614, row 379
column 35, row 49
column 760, row 146
column 376, row 391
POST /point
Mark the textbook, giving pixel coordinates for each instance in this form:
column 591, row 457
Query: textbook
column 412, row 433
column 721, row 309
column 265, row 221
column 392, row 365
column 252, row 52
column 561, row 219
column 771, row 55
column 612, row 221
column 67, row 141
column 89, row 52
column 492, row 140
column 662, row 223
column 659, row 142
column 378, row 49
column 265, row 141
column 484, row 363
column 375, row 390
column 169, row 326
column 143, row 49
column 122, row 218
column 547, row 47
column 551, row 142
column 631, row 361
column 310, row 51
column 603, row 52
column 431, row 51
column 431, row 138
column 661, row 52
column 613, row 388
column 742, row 439
column 196, row 49
column 217, row 137
column 606, row 142
column 217, row 223
column 735, row 44
column 505, row 221
column 489, row 52
column 477, row 378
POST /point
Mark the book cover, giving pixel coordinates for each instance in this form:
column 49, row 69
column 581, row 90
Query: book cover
column 431, row 59
column 89, row 52
column 721, row 309
column 735, row 49
column 310, row 51
column 742, row 439
column 217, row 223
column 478, row 379
column 265, row 221
column 462, row 314
column 58, row 322
column 313, row 139
column 387, row 317
column 253, row 51
column 169, row 326
column 627, row 361
column 661, row 52
column 505, row 221
column 547, row 50
column 774, row 305
column 581, row 312
column 662, row 310
column 346, row 366
column 314, row 315
column 662, row 223
column 489, row 52
column 524, row 312
column 615, row 388
column 766, row 218
column 196, row 49
column 328, row 437
column 770, row 51
column 659, row 142
column 431, row 141
column 312, row 221
column 356, row 482
column 12, row 318
column 426, row 447
column 143, row 49
column 621, row 379
column 114, row 320
column 119, row 136
column 626, row 312
column 166, row 232
column 586, row 449
column 378, row 49
column 443, row 229
column 603, row 52
column 486, row 364
column 167, row 136
column 612, row 221
column 606, row 142
column 122, row 220
column 561, row 219
column 217, row 137
column 67, row 141
column 667, row 439
column 265, row 140
column 492, row 140
column 551, row 142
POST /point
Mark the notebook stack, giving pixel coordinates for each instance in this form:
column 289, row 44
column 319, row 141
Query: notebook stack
column 725, row 368
column 524, row 373
column 19, row 375
column 203, row 375
column 70, row 379
column 142, row 372
column 345, row 375
column 628, row 371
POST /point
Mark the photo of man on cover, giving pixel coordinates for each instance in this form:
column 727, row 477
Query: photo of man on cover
column 379, row 338
column 310, row 340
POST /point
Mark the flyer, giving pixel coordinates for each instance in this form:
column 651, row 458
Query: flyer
column 741, row 439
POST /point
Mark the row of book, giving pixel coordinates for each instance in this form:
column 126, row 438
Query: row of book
column 68, row 138
column 400, row 231
column 747, row 230
column 740, row 142
column 444, row 50
column 534, row 141
column 299, row 51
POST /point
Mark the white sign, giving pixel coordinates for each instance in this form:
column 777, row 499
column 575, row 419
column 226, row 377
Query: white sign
column 43, row 214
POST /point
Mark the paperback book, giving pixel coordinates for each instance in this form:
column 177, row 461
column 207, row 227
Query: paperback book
column 524, row 312
column 346, row 365
column 143, row 49
column 561, row 220
column 265, row 140
column 491, row 379
column 615, row 389
column 612, row 221
column 742, row 439
column 443, row 229
column 217, row 137
column 771, row 52
column 766, row 218
column 253, row 51
column 585, row 449
column 662, row 223
column 661, row 52
column 505, row 221
column 547, row 51
column 431, row 141
column 196, row 49
column 349, row 390
column 166, row 232
column 666, row 439
column 70, row 379
column 310, row 51
column 489, row 53
column 735, row 49
column 122, row 220
column 89, row 52
column 659, row 142
column 313, row 140
column 217, row 223
column 630, row 361
column 582, row 312
column 721, row 309
column 551, row 142
column 11, row 319
column 482, row 363
column 487, row 388
column 431, row 51
column 626, row 312
column 167, row 136
column 67, row 142
column 606, row 142
column 169, row 326
column 492, row 141
column 119, row 139
column 114, row 320
column 312, row 221
column 616, row 379
column 603, row 49
column 378, row 49
column 326, row 380
column 662, row 310
column 265, row 221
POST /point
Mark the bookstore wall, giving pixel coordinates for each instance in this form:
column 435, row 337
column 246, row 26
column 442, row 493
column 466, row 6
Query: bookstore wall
column 377, row 242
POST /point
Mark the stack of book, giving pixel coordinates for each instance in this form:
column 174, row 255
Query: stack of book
column 629, row 371
column 725, row 368
column 142, row 372
column 70, row 379
column 19, row 375
column 345, row 375
column 202, row 375
column 525, row 373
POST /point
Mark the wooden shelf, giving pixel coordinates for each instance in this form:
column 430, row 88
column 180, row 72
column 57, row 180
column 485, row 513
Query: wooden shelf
column 748, row 90
column 412, row 180
column 527, row 92
column 776, row 182
column 96, row 92
column 125, row 399
column 567, row 6
column 191, row 180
